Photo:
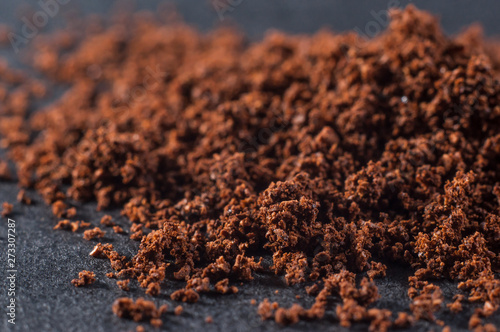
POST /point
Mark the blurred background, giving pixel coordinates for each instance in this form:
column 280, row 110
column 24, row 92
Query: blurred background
column 254, row 17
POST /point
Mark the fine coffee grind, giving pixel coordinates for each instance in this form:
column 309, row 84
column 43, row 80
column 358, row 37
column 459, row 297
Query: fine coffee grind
column 326, row 152
column 84, row 278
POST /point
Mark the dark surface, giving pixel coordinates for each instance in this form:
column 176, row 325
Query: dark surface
column 47, row 260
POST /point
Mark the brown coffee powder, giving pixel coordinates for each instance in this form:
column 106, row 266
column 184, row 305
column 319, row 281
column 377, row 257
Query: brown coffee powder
column 84, row 278
column 327, row 152
column 6, row 209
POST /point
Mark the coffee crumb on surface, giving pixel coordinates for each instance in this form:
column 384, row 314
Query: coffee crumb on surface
column 84, row 278
column 7, row 209
column 139, row 310
column 23, row 198
column 124, row 284
column 96, row 232
column 178, row 310
column 107, row 221
column 4, row 171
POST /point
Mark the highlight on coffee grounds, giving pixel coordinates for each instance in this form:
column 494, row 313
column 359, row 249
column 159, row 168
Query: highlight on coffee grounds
column 335, row 155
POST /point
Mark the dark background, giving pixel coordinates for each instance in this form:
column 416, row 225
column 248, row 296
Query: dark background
column 295, row 16
column 47, row 260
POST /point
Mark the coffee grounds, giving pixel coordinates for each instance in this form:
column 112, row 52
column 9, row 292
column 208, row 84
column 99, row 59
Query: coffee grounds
column 67, row 225
column 4, row 171
column 23, row 198
column 6, row 209
column 107, row 221
column 124, row 284
column 119, row 230
column 84, row 278
column 95, row 232
column 332, row 154
column 178, row 310
column 71, row 225
column 139, row 310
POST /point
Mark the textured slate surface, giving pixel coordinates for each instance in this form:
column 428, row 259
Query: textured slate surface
column 47, row 260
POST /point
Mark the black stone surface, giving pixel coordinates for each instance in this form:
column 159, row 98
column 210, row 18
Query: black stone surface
column 47, row 260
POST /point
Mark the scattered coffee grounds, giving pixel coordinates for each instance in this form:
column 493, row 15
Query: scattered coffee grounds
column 139, row 310
column 93, row 233
column 59, row 209
column 124, row 284
column 118, row 230
column 117, row 261
column 84, row 278
column 456, row 305
column 178, row 310
column 66, row 225
column 22, row 197
column 334, row 155
column 106, row 221
column 185, row 295
column 101, row 250
column 6, row 209
column 4, row 171
column 224, row 288
column 71, row 212
column 71, row 225
column 84, row 224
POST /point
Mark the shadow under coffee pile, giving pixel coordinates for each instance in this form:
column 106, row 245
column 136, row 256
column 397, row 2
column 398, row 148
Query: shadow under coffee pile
column 326, row 152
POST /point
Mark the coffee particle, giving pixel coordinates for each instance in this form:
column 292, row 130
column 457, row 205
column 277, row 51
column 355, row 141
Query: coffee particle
column 124, row 284
column 178, row 310
column 84, row 278
column 90, row 234
column 6, row 209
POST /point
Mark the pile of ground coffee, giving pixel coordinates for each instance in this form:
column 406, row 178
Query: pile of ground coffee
column 332, row 154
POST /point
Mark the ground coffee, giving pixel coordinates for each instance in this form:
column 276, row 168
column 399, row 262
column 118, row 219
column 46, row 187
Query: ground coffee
column 332, row 154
